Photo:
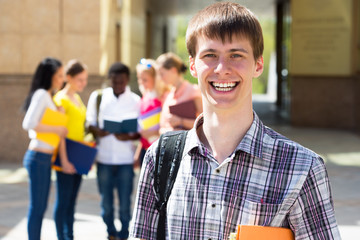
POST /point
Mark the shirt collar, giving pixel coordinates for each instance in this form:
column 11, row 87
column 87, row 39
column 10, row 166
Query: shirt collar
column 193, row 142
column 251, row 143
column 125, row 93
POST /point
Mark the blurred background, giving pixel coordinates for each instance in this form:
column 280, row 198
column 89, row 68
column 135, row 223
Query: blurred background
column 312, row 52
column 309, row 90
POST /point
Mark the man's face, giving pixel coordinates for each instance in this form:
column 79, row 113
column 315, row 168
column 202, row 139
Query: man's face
column 119, row 83
column 225, row 71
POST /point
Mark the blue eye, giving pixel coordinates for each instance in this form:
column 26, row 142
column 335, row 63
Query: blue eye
column 210, row 55
column 236, row 56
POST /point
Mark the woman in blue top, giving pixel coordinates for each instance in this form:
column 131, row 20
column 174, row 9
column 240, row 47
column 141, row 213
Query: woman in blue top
column 48, row 78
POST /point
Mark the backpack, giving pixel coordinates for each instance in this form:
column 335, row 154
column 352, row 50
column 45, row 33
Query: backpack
column 168, row 158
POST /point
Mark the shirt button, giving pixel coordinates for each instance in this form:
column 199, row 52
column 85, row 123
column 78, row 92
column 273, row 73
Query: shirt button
column 217, row 170
column 213, row 205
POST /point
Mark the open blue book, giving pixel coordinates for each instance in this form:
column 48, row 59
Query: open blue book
column 80, row 155
column 125, row 126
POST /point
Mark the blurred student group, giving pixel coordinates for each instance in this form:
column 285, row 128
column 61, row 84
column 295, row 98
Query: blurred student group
column 115, row 126
column 113, row 131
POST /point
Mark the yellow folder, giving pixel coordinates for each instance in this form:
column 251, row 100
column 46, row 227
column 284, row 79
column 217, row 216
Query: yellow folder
column 263, row 232
column 151, row 121
column 53, row 118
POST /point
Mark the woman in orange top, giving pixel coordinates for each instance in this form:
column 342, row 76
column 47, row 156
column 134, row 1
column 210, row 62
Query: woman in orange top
column 171, row 69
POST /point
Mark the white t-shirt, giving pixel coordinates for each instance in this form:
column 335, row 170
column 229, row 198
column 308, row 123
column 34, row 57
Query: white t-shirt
column 110, row 150
column 40, row 100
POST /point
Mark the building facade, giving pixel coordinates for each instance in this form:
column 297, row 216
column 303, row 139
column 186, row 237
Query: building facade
column 317, row 43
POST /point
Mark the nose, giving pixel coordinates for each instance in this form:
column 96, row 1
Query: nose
column 222, row 67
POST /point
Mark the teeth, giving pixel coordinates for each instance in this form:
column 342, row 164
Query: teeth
column 223, row 89
column 224, row 86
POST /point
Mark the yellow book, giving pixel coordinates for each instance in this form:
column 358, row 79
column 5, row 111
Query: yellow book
column 53, row 118
column 262, row 233
column 150, row 121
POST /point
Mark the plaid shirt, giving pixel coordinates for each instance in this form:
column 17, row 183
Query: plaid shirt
column 268, row 180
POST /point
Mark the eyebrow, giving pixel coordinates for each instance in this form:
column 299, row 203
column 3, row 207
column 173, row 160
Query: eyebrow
column 231, row 50
column 238, row 50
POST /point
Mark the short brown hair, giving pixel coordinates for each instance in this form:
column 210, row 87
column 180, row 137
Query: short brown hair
column 223, row 20
column 74, row 67
column 169, row 60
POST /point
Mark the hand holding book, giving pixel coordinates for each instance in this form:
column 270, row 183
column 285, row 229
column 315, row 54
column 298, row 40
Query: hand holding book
column 80, row 155
column 56, row 119
column 125, row 126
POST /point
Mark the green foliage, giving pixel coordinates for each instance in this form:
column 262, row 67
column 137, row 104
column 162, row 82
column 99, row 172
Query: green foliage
column 181, row 46
column 268, row 27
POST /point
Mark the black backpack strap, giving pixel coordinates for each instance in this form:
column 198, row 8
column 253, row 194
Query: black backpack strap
column 168, row 158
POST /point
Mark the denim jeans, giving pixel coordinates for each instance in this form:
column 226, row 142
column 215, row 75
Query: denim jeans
column 68, row 186
column 38, row 166
column 120, row 177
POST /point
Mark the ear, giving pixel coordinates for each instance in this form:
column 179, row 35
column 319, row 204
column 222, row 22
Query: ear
column 259, row 67
column 192, row 67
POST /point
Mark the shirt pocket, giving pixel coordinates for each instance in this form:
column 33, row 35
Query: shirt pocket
column 253, row 213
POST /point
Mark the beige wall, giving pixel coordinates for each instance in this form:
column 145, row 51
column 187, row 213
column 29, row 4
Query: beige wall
column 327, row 102
column 29, row 31
column 108, row 19
column 33, row 29
column 324, row 81
column 81, row 30
column 131, row 16
column 134, row 29
column 321, row 37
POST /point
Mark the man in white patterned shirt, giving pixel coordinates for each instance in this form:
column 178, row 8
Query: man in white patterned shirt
column 235, row 170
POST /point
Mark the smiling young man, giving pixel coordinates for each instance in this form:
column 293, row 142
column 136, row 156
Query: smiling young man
column 234, row 170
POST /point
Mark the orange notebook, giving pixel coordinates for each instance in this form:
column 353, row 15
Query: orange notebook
column 262, row 233
column 53, row 118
